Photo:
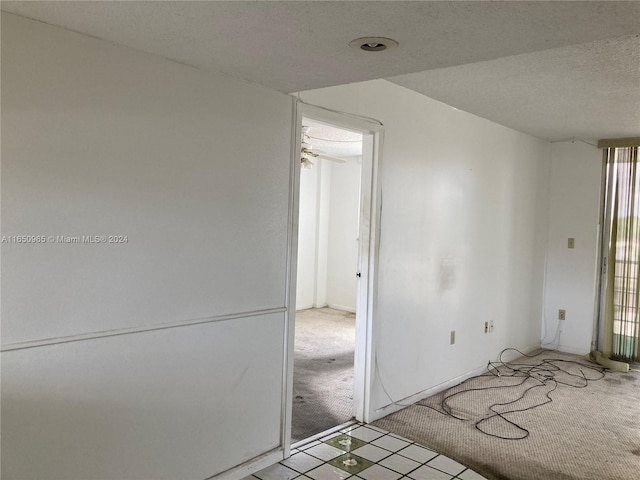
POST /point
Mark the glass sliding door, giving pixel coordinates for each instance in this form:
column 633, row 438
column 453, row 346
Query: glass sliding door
column 621, row 313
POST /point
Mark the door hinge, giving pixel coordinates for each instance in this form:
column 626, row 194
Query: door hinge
column 604, row 266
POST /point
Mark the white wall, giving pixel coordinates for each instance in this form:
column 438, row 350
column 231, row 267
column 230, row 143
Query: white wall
column 308, row 238
column 102, row 140
column 328, row 235
column 463, row 237
column 342, row 245
column 322, row 239
column 574, row 208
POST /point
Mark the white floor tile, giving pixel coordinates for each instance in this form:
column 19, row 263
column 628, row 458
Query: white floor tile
column 377, row 429
column 371, row 452
column 328, row 472
column 276, row 472
column 324, row 452
column 365, row 433
column 401, row 438
column 394, row 456
column 418, row 453
column 390, row 443
column 470, row 475
column 376, row 472
column 428, row 473
column 446, row 465
column 329, row 437
column 309, row 445
column 399, row 464
column 301, row 462
column 350, row 428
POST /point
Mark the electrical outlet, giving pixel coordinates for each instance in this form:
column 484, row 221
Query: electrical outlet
column 491, row 326
column 486, row 327
column 452, row 338
column 562, row 314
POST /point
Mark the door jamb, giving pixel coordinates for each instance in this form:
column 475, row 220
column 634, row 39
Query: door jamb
column 597, row 337
column 370, row 212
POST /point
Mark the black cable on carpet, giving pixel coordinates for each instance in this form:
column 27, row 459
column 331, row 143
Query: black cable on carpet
column 546, row 375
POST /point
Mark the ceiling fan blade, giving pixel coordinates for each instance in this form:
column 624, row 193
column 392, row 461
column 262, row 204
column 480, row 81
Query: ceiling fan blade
column 306, row 151
column 332, row 159
column 309, row 151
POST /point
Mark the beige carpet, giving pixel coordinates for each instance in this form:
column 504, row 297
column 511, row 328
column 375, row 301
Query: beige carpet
column 589, row 430
column 323, row 371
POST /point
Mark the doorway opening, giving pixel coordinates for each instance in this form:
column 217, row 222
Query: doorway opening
column 336, row 237
column 327, row 278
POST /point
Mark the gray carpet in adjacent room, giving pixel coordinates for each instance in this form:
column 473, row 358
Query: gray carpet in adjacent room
column 323, row 371
column 584, row 433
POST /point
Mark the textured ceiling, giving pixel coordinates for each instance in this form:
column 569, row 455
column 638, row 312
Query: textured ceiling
column 589, row 91
column 295, row 46
column 333, row 141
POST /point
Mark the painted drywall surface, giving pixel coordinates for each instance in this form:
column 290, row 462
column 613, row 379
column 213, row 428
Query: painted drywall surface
column 574, row 209
column 165, row 404
column 194, row 170
column 307, row 239
column 463, row 237
column 342, row 245
column 132, row 146
column 313, row 233
column 322, row 239
column 328, row 231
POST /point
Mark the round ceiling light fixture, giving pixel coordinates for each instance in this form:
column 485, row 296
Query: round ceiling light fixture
column 373, row 44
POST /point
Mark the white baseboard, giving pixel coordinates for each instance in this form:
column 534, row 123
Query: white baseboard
column 303, row 307
column 252, row 466
column 405, row 402
column 343, row 308
column 576, row 351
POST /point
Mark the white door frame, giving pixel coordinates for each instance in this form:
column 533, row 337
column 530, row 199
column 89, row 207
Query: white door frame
column 604, row 230
column 367, row 262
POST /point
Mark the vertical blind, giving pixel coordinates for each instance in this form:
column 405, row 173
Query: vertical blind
column 622, row 214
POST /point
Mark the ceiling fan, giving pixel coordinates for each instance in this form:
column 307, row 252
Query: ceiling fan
column 308, row 151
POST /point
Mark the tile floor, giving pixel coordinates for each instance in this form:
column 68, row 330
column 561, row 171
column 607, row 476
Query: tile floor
column 367, row 453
